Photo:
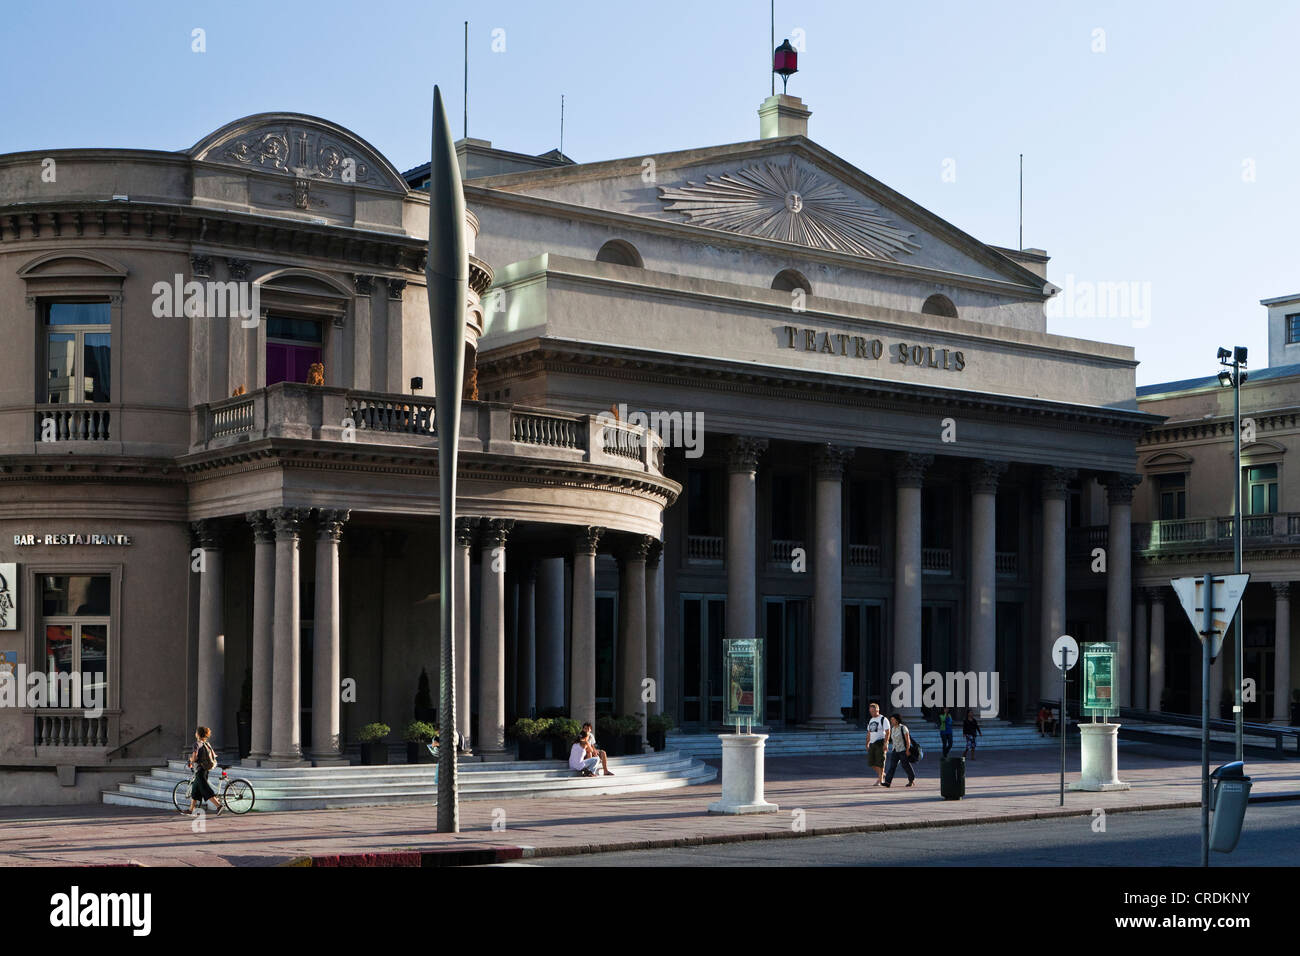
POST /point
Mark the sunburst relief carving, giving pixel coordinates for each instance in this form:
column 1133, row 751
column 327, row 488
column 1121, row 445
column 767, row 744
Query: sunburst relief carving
column 791, row 203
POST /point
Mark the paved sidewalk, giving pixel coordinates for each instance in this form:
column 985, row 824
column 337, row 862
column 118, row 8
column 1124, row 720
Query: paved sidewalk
column 836, row 794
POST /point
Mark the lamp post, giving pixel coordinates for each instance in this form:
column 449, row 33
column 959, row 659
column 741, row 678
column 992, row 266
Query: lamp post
column 1235, row 361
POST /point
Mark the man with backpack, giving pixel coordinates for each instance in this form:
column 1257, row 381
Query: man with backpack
column 877, row 731
column 898, row 741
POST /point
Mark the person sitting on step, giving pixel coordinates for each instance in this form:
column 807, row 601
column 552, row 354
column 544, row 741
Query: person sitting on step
column 578, row 759
column 589, row 732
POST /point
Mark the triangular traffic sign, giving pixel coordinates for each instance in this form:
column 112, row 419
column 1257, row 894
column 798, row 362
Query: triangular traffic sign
column 1228, row 591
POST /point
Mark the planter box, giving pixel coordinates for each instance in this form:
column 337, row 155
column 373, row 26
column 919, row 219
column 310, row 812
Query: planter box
column 532, row 749
column 631, row 744
column 374, row 754
column 418, row 752
column 658, row 739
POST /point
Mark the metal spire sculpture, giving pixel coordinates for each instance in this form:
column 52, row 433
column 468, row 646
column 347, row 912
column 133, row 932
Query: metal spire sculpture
column 447, row 275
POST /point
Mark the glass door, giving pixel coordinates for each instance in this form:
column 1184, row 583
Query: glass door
column 786, row 661
column 703, row 618
column 863, row 657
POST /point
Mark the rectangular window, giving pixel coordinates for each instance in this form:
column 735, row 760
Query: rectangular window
column 864, row 512
column 1293, row 328
column 1171, row 491
column 1008, row 522
column 78, row 350
column 788, row 506
column 292, row 346
column 936, row 516
column 699, row 502
column 1261, row 490
column 75, row 624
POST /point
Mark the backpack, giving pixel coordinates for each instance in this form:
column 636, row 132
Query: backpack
column 206, row 758
column 915, row 754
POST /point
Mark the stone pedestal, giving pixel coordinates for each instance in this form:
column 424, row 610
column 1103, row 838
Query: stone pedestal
column 742, row 775
column 1100, row 746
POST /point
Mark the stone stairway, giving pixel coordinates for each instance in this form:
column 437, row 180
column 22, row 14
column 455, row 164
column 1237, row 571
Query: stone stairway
column 786, row 743
column 318, row 788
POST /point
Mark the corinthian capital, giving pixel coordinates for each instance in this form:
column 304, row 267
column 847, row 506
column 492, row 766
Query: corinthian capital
column 909, row 469
column 829, row 461
column 743, row 452
column 1119, row 488
column 1056, row 481
column 984, row 475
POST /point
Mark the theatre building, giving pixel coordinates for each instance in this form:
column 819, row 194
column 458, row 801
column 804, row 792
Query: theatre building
column 736, row 391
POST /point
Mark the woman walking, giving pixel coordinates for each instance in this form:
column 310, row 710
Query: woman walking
column 899, row 743
column 203, row 759
column 970, row 727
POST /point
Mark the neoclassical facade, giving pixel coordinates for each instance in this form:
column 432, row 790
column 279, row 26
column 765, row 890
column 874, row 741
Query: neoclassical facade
column 219, row 457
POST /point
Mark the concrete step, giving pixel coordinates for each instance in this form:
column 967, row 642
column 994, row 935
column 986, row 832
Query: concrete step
column 344, row 786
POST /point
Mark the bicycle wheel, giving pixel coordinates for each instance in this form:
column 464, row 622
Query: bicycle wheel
column 181, row 796
column 238, row 796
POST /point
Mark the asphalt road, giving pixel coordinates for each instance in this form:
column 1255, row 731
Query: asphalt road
column 1150, row 838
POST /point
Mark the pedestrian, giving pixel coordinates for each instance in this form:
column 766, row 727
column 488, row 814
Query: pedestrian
column 970, row 727
column 877, row 730
column 945, row 729
column 898, row 741
column 203, row 759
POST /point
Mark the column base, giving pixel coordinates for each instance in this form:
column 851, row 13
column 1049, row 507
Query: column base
column 330, row 760
column 253, row 760
column 827, row 723
column 284, row 760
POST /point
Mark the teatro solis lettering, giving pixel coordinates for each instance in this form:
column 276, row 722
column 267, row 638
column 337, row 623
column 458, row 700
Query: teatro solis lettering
column 858, row 346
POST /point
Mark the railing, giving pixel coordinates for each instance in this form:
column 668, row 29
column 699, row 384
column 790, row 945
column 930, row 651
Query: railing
column 705, row 549
column 782, row 552
column 936, row 560
column 71, row 730
column 383, row 414
column 72, row 423
column 1008, row 564
column 864, row 556
column 624, row 440
column 232, row 419
column 553, row 431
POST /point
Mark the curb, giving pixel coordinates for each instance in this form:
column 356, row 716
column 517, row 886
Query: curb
column 485, row 856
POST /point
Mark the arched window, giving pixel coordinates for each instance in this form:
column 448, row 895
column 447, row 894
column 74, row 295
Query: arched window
column 787, row 280
column 620, row 253
column 939, row 305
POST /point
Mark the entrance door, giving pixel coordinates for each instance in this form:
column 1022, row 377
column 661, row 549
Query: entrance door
column 1010, row 617
column 292, row 346
column 1257, row 662
column 606, row 649
column 704, row 618
column 785, row 660
column 863, row 657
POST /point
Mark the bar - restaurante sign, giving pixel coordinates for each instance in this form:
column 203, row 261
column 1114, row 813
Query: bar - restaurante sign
column 57, row 540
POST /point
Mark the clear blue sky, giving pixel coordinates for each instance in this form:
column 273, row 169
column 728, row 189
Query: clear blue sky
column 1134, row 156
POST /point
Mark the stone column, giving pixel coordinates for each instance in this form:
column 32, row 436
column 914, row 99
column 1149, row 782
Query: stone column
column 1282, row 652
column 632, row 656
column 361, row 334
column 1156, row 674
column 1055, row 482
column 583, row 663
column 909, row 473
column 742, row 563
column 526, row 701
column 984, row 476
column 492, row 636
column 326, row 744
column 1119, row 580
column 263, row 660
column 285, row 700
column 395, row 367
column 210, row 710
column 550, row 633
column 1141, row 653
column 464, row 540
column 828, row 586
column 654, row 626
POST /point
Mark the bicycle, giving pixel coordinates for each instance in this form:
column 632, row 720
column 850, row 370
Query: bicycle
column 236, row 793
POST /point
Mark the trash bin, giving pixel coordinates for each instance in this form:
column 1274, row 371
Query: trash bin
column 1229, row 794
column 952, row 777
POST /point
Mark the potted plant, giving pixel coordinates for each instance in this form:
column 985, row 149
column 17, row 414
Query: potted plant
column 530, row 734
column 244, row 716
column 418, row 735
column 608, row 735
column 424, row 709
column 562, row 732
column 658, row 726
column 374, row 750
column 629, row 726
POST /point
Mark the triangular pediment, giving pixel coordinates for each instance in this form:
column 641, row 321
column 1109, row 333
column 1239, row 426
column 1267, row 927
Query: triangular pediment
column 786, row 190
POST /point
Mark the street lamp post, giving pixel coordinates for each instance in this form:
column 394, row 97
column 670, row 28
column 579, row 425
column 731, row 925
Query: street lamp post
column 1234, row 379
